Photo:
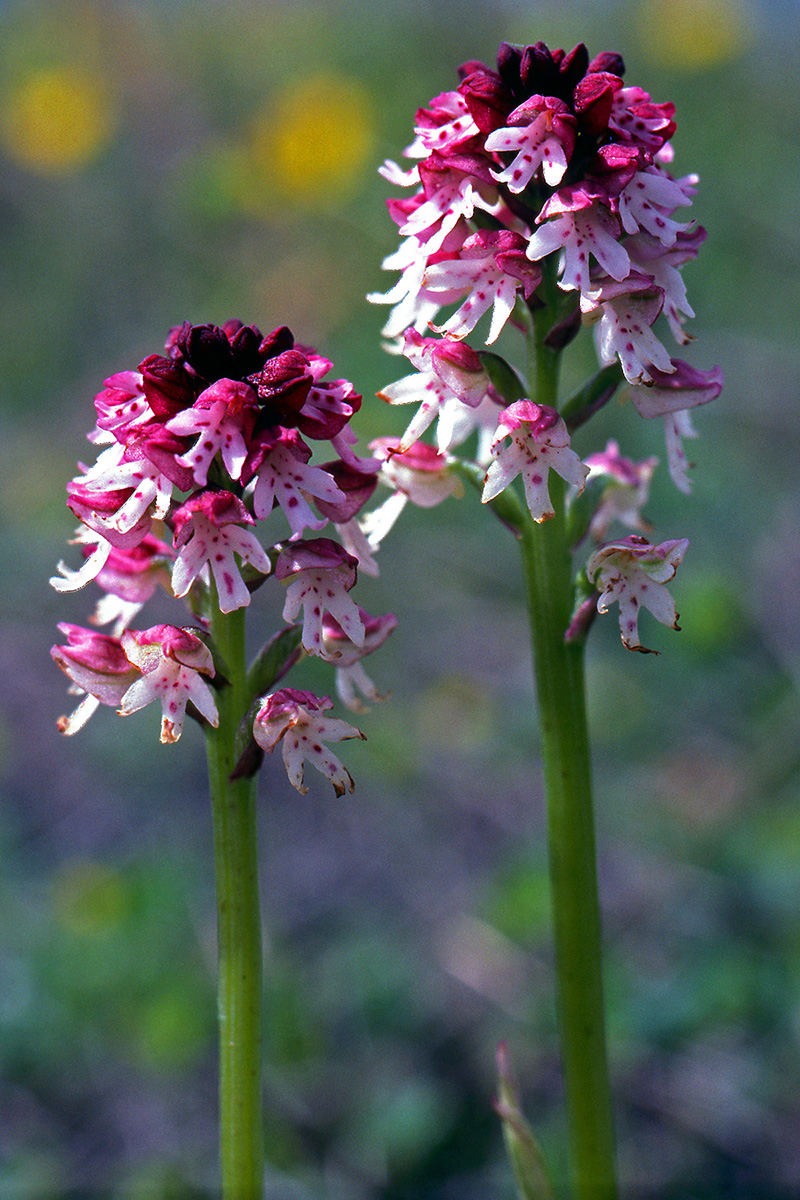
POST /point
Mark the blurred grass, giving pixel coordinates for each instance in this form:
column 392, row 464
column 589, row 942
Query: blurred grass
column 189, row 160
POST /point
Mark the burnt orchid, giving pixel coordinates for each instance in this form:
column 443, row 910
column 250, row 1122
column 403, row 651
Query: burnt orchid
column 542, row 198
column 204, row 488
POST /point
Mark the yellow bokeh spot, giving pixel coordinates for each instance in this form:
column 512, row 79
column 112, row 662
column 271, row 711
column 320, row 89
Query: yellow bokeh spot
column 89, row 898
column 693, row 34
column 56, row 120
column 314, row 139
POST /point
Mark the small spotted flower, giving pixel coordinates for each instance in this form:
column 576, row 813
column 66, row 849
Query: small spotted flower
column 449, row 376
column 209, row 531
column 633, row 573
column 445, row 124
column 221, row 417
column 539, row 442
column 627, row 311
column 285, row 477
column 322, row 574
column 541, row 132
column 121, row 406
column 98, row 669
column 625, row 492
column 172, row 662
column 582, row 227
column 648, row 199
column 351, row 677
column 492, row 267
column 299, row 719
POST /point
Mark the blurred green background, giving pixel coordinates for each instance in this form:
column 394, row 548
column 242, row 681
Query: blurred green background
column 178, row 160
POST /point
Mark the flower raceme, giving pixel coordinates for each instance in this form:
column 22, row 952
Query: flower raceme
column 541, row 196
column 204, row 486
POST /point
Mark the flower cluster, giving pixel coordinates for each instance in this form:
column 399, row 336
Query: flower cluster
column 199, row 447
column 543, row 185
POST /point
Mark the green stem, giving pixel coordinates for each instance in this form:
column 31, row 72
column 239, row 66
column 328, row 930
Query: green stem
column 238, row 928
column 559, row 674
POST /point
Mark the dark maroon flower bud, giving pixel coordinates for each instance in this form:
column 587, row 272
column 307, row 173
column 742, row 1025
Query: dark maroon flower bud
column 276, row 342
column 607, row 61
column 167, row 386
column 470, row 68
column 593, row 100
column 547, row 73
column 572, row 67
column 205, row 349
column 536, row 70
column 233, row 351
column 245, row 348
column 488, row 100
column 282, row 384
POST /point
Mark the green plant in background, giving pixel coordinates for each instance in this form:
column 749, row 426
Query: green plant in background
column 544, row 196
column 206, row 441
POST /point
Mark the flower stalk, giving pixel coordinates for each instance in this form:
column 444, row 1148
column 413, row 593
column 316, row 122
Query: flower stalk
column 239, row 955
column 560, row 689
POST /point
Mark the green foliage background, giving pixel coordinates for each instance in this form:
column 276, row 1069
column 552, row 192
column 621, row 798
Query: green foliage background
column 188, row 169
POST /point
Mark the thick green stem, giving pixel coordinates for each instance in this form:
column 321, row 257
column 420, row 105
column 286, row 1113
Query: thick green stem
column 238, row 930
column 558, row 669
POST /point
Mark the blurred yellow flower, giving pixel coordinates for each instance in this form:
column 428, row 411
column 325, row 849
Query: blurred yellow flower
column 56, row 119
column 693, row 34
column 313, row 140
